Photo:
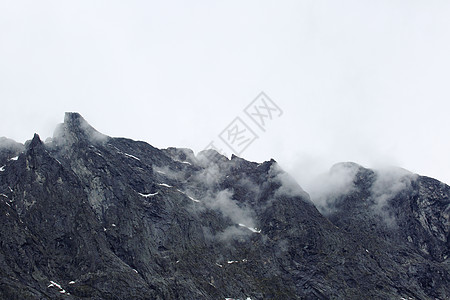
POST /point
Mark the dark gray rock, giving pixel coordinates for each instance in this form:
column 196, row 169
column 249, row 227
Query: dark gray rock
column 402, row 219
column 87, row 216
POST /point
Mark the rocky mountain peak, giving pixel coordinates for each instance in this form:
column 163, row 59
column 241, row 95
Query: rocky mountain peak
column 75, row 121
column 35, row 142
column 86, row 216
column 76, row 129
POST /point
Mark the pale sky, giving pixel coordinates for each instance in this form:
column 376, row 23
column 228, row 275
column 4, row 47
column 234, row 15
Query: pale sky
column 362, row 81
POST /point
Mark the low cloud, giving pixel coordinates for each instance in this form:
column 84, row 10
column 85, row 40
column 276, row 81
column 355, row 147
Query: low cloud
column 6, row 143
column 74, row 128
column 289, row 186
column 389, row 183
column 215, row 198
column 327, row 187
column 210, row 176
column 169, row 173
column 224, row 203
column 233, row 232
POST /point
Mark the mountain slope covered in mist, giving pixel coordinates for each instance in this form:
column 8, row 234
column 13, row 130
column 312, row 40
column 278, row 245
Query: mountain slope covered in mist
column 87, row 216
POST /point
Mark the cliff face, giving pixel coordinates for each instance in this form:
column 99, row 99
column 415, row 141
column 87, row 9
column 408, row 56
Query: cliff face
column 87, row 216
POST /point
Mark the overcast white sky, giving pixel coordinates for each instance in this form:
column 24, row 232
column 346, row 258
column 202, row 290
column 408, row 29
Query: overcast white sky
column 362, row 81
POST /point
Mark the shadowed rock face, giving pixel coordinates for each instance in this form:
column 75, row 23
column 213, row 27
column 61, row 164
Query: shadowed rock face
column 87, row 216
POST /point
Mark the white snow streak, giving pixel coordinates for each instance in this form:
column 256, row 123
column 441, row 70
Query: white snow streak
column 148, row 195
column 195, row 200
column 52, row 283
column 251, row 229
column 14, row 158
column 132, row 156
column 164, row 184
column 2, row 169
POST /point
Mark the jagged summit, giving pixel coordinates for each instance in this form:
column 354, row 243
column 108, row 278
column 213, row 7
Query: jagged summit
column 75, row 119
column 36, row 141
column 76, row 123
column 76, row 129
column 211, row 155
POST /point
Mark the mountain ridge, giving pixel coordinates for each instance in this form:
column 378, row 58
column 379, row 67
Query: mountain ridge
column 87, row 216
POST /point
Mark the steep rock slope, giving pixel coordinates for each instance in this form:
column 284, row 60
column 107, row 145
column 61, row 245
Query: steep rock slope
column 402, row 219
column 87, row 216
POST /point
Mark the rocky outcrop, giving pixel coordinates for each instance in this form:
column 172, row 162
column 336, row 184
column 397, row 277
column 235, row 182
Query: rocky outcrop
column 87, row 216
